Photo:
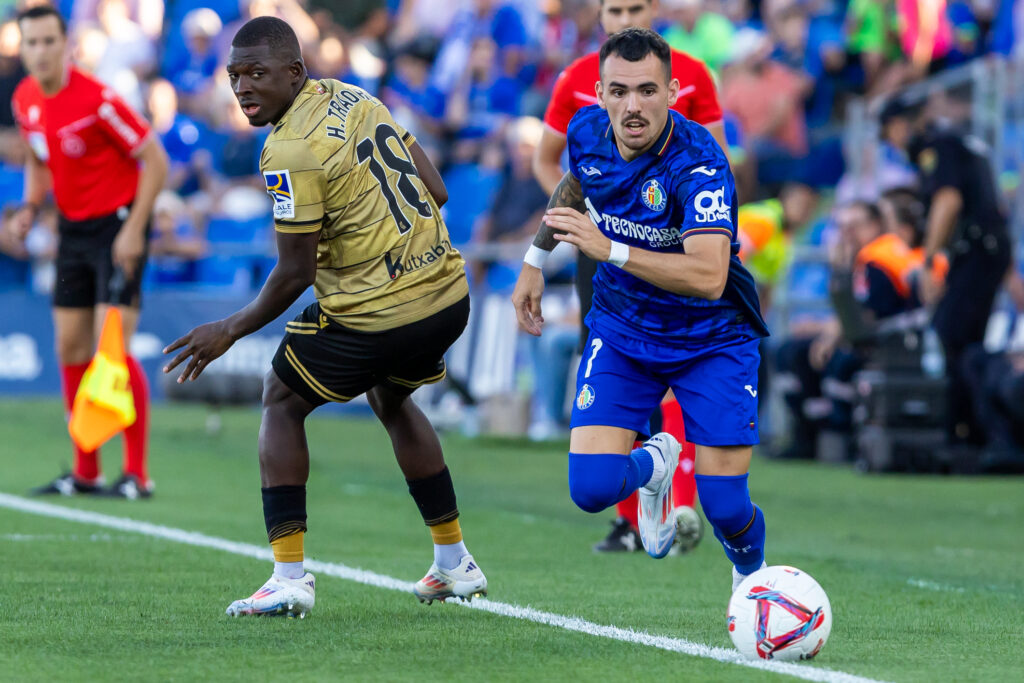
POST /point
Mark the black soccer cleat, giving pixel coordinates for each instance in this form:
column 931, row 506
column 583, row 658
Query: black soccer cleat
column 130, row 487
column 68, row 485
column 623, row 538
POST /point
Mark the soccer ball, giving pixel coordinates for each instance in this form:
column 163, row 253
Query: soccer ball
column 779, row 613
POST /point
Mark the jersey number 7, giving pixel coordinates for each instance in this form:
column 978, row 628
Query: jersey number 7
column 400, row 164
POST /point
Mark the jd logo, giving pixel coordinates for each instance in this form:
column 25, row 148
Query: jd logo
column 711, row 206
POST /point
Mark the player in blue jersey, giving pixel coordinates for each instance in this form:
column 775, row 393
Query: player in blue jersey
column 649, row 195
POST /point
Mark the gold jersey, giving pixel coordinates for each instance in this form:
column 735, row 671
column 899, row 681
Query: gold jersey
column 337, row 162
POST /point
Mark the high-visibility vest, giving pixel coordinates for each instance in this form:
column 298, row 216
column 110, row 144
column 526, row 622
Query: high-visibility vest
column 764, row 246
column 891, row 255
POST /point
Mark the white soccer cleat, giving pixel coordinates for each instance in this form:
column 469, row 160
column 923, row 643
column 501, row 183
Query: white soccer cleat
column 738, row 578
column 464, row 582
column 689, row 529
column 278, row 597
column 656, row 523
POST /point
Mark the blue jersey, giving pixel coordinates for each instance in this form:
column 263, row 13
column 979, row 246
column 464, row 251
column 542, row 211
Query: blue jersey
column 680, row 187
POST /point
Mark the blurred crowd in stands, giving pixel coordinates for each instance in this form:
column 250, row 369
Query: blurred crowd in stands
column 471, row 79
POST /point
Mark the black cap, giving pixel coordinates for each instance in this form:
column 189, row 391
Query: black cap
column 899, row 107
column 423, row 48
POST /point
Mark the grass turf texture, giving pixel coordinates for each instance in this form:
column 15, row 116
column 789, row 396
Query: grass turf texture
column 923, row 573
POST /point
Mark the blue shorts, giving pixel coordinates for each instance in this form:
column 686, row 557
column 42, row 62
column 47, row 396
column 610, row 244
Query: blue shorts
column 620, row 382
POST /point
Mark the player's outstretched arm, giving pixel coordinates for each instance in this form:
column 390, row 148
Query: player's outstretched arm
column 530, row 286
column 294, row 273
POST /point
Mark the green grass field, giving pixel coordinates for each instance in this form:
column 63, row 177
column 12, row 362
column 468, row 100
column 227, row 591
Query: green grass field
column 924, row 574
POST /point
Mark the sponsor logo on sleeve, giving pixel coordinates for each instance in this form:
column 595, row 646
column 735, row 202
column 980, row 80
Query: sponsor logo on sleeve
column 279, row 187
column 108, row 113
column 711, row 207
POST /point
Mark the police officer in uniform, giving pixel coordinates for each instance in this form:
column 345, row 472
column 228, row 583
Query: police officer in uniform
column 966, row 221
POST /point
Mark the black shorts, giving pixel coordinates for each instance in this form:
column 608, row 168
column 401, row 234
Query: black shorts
column 85, row 268
column 323, row 361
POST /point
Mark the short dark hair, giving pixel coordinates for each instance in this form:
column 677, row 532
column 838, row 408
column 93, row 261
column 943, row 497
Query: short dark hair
column 634, row 44
column 909, row 211
column 272, row 32
column 41, row 11
column 870, row 208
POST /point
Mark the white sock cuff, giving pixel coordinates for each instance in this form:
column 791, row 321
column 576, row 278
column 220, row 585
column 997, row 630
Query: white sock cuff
column 658, row 471
column 289, row 570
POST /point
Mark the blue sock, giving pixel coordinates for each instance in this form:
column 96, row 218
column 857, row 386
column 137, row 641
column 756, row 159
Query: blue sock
column 641, row 467
column 600, row 480
column 737, row 522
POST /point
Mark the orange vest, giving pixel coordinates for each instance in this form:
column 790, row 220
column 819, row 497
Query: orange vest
column 892, row 256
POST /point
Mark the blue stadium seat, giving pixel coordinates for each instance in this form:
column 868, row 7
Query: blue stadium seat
column 163, row 272
column 255, row 231
column 14, row 274
column 12, row 181
column 231, row 273
column 470, row 191
column 809, row 281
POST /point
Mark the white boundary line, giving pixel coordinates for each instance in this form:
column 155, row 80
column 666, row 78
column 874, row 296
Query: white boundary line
column 368, row 578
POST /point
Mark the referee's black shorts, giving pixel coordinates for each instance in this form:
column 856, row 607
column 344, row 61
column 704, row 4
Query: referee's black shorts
column 85, row 267
column 323, row 361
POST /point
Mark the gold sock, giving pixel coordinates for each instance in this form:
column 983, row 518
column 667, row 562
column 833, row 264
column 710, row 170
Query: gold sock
column 288, row 548
column 446, row 533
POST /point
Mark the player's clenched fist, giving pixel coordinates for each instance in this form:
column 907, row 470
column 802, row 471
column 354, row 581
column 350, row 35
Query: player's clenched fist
column 204, row 344
column 526, row 298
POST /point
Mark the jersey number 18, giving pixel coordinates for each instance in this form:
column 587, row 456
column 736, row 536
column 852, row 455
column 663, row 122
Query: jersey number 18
column 400, row 164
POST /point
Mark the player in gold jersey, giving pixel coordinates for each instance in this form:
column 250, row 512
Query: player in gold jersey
column 356, row 213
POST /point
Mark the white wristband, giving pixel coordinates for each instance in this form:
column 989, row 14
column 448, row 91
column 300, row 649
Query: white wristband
column 535, row 256
column 619, row 254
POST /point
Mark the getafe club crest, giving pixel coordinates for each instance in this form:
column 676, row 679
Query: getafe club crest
column 586, row 397
column 653, row 195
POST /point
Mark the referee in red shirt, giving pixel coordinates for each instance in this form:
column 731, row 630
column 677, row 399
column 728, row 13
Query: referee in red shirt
column 105, row 169
column 574, row 89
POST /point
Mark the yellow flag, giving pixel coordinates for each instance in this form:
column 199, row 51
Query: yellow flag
column 103, row 405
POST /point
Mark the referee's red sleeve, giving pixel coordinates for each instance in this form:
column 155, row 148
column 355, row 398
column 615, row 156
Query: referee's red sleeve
column 704, row 106
column 126, row 129
column 561, row 107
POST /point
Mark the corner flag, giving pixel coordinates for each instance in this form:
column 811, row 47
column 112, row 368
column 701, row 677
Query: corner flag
column 103, row 405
